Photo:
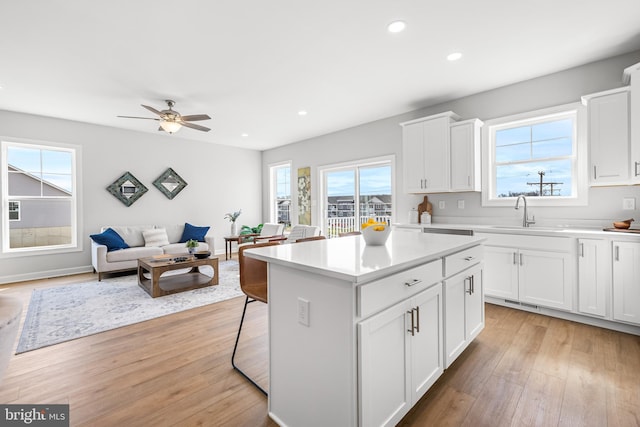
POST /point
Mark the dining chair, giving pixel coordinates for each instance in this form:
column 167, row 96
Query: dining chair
column 308, row 239
column 349, row 233
column 253, row 283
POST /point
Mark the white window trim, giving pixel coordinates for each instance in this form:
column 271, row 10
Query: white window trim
column 580, row 149
column 76, row 212
column 273, row 214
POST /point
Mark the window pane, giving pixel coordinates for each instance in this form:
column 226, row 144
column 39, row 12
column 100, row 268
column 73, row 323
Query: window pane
column 22, row 184
column 512, row 153
column 552, row 148
column 283, row 195
column 42, row 223
column 26, row 159
column 513, row 180
column 551, row 130
column 375, row 193
column 513, row 136
column 58, row 162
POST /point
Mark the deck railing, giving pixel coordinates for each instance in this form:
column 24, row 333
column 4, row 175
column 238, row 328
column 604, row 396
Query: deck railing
column 344, row 224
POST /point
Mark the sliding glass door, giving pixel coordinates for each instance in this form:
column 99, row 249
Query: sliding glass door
column 353, row 193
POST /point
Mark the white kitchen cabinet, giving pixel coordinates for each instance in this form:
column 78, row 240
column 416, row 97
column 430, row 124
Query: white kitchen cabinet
column 501, row 272
column 626, row 282
column 632, row 76
column 608, row 130
column 400, row 357
column 464, row 311
column 521, row 269
column 465, row 155
column 594, row 276
column 426, row 153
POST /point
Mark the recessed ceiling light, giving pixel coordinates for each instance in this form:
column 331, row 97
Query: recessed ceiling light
column 396, row 26
column 454, row 56
column 302, row 113
column 244, row 135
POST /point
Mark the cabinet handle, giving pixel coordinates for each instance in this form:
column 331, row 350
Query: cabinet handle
column 417, row 319
column 473, row 285
column 595, row 176
column 617, row 256
column 470, row 289
column 469, row 258
column 635, row 168
column 469, row 180
column 582, row 250
column 413, row 323
column 521, row 263
column 413, row 282
column 515, row 262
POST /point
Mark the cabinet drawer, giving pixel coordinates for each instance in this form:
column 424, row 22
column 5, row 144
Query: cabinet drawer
column 462, row 260
column 374, row 296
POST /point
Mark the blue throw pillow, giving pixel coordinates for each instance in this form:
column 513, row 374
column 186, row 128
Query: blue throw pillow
column 191, row 232
column 110, row 239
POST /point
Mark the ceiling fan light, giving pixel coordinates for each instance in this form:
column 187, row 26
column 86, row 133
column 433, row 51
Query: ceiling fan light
column 170, row 127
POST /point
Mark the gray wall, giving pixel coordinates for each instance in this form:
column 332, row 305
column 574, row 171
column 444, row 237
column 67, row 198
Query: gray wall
column 220, row 179
column 384, row 137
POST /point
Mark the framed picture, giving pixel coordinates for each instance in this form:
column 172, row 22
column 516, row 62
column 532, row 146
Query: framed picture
column 170, row 183
column 127, row 189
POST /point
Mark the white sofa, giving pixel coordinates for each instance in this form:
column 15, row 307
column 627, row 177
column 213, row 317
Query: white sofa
column 127, row 259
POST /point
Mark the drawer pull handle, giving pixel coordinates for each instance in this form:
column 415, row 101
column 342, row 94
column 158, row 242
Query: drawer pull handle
column 470, row 289
column 413, row 282
column 417, row 309
column 469, row 258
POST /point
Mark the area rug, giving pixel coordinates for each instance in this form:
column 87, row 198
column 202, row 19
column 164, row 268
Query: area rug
column 68, row 312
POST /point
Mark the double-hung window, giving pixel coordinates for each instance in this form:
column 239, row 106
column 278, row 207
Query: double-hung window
column 39, row 197
column 541, row 155
column 280, row 194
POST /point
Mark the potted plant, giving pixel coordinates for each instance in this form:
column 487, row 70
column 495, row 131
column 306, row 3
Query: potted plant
column 232, row 218
column 192, row 245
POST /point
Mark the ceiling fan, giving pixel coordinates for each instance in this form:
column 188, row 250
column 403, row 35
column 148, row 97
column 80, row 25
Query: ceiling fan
column 171, row 121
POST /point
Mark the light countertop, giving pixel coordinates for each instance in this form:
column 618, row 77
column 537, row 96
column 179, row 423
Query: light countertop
column 552, row 231
column 350, row 259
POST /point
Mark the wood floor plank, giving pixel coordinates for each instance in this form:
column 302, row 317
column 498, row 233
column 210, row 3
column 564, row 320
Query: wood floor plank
column 524, row 369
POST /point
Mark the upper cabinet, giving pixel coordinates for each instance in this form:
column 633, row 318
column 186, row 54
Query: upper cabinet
column 465, row 155
column 632, row 76
column 614, row 132
column 441, row 154
column 609, row 142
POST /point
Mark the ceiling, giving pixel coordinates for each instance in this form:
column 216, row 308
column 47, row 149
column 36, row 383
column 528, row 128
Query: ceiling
column 253, row 64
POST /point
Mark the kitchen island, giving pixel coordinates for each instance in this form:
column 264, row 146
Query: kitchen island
column 357, row 333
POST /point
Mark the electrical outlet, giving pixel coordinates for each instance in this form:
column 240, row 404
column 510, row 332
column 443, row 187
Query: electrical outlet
column 441, row 204
column 628, row 203
column 303, row 311
column 460, row 204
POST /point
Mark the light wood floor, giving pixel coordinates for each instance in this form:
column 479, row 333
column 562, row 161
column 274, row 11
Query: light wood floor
column 523, row 370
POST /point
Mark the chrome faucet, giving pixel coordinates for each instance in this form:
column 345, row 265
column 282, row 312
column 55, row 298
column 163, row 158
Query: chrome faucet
column 525, row 217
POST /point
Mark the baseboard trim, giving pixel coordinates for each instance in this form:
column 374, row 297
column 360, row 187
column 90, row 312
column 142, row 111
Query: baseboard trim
column 37, row 275
column 593, row 321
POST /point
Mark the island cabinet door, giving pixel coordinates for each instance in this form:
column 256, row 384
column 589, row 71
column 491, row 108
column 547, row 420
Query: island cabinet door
column 463, row 311
column 385, row 393
column 400, row 357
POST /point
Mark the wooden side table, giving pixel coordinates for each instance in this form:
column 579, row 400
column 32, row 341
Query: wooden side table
column 228, row 241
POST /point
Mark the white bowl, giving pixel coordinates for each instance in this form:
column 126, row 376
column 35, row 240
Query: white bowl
column 373, row 237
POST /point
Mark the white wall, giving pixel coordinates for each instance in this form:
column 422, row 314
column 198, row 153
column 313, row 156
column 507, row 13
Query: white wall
column 384, row 137
column 220, row 179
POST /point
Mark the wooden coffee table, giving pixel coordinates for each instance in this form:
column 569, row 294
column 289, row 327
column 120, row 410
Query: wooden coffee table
column 158, row 285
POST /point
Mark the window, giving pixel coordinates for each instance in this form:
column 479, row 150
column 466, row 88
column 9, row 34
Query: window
column 354, row 192
column 14, row 211
column 281, row 194
column 540, row 155
column 39, row 197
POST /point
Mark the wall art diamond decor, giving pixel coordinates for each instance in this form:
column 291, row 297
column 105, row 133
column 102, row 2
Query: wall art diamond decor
column 170, row 183
column 127, row 189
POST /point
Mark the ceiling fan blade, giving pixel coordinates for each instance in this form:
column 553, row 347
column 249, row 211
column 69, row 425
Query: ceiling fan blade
column 195, row 117
column 194, row 126
column 153, row 110
column 133, row 117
